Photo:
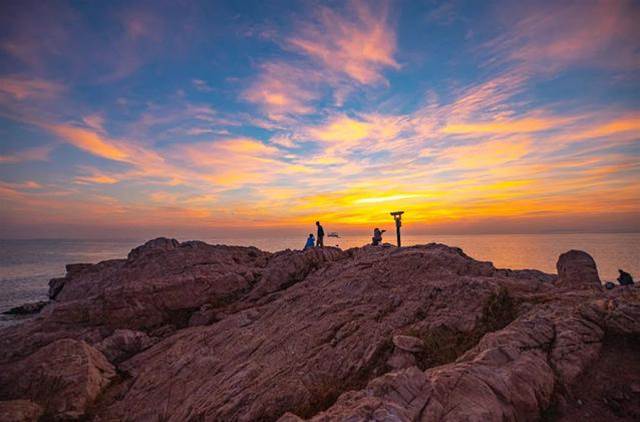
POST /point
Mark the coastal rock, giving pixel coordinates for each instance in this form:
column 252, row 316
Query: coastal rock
column 203, row 332
column 289, row 267
column 63, row 377
column 577, row 269
column 55, row 286
column 27, row 308
column 19, row 411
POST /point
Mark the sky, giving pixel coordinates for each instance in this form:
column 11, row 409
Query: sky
column 128, row 119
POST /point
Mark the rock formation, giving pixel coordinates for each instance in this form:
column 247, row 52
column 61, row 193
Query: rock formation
column 27, row 308
column 191, row 331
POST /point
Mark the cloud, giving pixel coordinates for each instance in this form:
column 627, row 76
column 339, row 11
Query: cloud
column 91, row 142
column 629, row 124
column 505, row 126
column 231, row 163
column 359, row 43
column 201, row 85
column 29, row 154
column 552, row 36
column 22, row 88
column 340, row 49
column 95, row 176
column 486, row 154
column 283, row 89
column 341, row 129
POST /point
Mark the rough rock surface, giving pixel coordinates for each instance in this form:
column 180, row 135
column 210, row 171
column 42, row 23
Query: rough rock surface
column 64, row 377
column 124, row 343
column 19, row 411
column 202, row 332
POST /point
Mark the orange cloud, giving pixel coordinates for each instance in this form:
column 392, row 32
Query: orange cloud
column 625, row 124
column 102, row 179
column 341, row 129
column 90, row 141
column 485, row 155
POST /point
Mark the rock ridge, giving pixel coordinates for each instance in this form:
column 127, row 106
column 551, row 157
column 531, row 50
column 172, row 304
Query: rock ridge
column 192, row 331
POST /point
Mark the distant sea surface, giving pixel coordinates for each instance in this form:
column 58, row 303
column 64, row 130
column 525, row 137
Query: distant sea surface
column 26, row 266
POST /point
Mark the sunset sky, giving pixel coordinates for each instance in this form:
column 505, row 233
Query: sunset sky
column 126, row 119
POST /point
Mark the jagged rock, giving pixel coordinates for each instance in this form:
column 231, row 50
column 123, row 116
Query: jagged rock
column 123, row 344
column 27, row 308
column 63, row 377
column 321, row 335
column 19, row 411
column 408, row 343
column 577, row 269
column 55, row 286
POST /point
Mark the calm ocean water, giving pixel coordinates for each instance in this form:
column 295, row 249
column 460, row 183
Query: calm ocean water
column 27, row 265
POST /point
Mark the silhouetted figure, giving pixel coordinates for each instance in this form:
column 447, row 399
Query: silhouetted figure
column 320, row 241
column 625, row 278
column 377, row 236
column 310, row 242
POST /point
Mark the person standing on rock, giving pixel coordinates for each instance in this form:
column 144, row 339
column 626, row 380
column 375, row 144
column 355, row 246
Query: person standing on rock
column 310, row 242
column 320, row 241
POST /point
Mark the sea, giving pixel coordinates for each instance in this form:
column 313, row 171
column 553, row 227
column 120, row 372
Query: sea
column 26, row 266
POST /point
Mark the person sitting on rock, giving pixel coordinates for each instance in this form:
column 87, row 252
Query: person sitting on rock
column 377, row 236
column 311, row 241
column 625, row 278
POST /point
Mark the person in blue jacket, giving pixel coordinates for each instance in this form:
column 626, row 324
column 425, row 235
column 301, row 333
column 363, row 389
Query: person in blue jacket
column 311, row 241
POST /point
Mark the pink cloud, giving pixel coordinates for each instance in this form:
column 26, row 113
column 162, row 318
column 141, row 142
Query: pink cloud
column 359, row 44
column 22, row 88
column 283, row 89
column 557, row 34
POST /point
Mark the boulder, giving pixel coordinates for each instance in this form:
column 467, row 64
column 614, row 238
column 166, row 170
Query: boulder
column 577, row 270
column 19, row 411
column 64, row 378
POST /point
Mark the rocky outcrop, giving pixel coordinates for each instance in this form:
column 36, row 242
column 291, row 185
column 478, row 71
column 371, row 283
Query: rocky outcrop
column 577, row 269
column 202, row 332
